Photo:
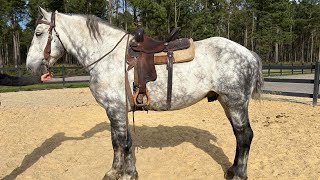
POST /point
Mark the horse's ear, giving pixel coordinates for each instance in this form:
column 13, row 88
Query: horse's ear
column 44, row 13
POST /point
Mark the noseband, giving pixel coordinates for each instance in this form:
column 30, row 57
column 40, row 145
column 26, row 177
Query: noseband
column 52, row 24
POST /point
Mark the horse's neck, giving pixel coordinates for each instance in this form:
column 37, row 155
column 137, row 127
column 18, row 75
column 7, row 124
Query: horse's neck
column 88, row 39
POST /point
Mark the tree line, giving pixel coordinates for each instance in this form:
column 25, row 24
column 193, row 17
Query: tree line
column 278, row 30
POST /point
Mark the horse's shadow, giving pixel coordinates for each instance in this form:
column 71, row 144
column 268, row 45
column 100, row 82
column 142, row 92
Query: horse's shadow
column 145, row 137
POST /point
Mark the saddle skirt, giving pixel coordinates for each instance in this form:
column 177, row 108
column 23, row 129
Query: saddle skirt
column 180, row 56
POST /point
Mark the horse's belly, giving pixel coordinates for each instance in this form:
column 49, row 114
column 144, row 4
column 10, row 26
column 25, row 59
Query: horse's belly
column 188, row 88
column 177, row 102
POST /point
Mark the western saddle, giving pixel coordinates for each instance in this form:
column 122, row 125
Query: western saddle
column 141, row 56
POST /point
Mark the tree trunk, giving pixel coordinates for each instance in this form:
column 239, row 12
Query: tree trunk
column 6, row 56
column 291, row 48
column 311, row 48
column 125, row 11
column 252, row 32
column 110, row 11
column 175, row 14
column 302, row 50
column 117, row 8
column 18, row 48
column 135, row 14
column 276, row 50
column 15, row 39
column 88, row 4
column 245, row 43
column 168, row 21
column 1, row 58
column 228, row 24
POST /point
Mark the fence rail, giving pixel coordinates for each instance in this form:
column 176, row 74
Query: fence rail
column 281, row 69
column 268, row 70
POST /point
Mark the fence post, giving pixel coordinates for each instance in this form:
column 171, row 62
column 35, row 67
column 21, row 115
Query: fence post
column 19, row 71
column 281, row 69
column 269, row 69
column 316, row 83
column 19, row 75
column 302, row 68
column 292, row 69
column 63, row 78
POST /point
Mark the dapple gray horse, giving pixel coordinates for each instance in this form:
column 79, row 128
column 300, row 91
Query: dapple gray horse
column 221, row 69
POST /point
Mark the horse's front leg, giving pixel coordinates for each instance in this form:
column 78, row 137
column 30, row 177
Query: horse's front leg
column 123, row 166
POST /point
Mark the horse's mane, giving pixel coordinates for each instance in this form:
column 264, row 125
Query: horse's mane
column 93, row 22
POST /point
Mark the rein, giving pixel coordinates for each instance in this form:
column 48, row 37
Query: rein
column 98, row 60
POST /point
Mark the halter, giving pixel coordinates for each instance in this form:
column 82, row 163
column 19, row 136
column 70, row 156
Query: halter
column 52, row 24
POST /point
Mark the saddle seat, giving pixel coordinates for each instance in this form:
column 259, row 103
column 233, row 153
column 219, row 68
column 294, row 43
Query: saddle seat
column 146, row 44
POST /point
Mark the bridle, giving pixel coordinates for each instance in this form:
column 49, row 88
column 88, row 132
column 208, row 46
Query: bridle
column 52, row 24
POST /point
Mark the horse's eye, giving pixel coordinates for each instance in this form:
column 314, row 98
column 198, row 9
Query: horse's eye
column 38, row 33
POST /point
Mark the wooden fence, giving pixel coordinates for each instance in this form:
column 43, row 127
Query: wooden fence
column 268, row 70
column 286, row 69
column 272, row 70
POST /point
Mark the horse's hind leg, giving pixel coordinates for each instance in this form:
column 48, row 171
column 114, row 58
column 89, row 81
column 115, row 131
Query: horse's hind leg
column 236, row 109
column 123, row 166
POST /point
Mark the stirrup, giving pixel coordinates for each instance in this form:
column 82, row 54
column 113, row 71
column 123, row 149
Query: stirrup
column 135, row 97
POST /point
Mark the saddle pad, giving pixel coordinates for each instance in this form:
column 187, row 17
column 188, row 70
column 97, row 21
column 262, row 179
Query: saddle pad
column 180, row 56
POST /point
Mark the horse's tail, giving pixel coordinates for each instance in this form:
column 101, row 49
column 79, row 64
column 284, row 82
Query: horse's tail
column 257, row 91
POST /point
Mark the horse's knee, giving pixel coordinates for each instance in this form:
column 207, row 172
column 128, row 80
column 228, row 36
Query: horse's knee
column 121, row 139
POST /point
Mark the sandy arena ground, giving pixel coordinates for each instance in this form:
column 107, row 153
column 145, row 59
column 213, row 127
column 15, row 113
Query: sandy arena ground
column 65, row 134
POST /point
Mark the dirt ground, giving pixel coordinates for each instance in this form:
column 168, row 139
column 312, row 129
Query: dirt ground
column 65, row 134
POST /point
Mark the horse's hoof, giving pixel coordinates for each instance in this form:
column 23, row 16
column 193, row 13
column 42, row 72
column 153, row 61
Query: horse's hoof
column 112, row 174
column 238, row 178
column 134, row 176
column 128, row 177
column 230, row 175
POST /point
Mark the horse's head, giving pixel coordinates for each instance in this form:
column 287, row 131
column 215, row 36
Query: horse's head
column 46, row 46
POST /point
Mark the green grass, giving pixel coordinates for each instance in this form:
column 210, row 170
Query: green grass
column 42, row 87
column 285, row 72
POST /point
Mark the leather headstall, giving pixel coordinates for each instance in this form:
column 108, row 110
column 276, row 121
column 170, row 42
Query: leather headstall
column 52, row 24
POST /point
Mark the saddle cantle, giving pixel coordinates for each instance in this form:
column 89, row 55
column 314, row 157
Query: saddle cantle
column 144, row 53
